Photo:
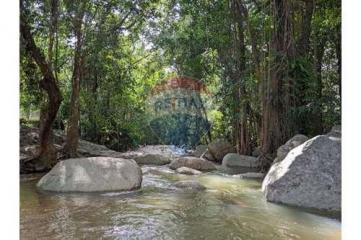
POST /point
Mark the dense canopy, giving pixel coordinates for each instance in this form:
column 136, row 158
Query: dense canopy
column 272, row 68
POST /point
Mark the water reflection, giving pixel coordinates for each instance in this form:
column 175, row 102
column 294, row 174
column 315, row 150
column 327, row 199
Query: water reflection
column 230, row 208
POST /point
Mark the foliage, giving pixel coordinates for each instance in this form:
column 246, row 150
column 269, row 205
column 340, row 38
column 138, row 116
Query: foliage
column 130, row 46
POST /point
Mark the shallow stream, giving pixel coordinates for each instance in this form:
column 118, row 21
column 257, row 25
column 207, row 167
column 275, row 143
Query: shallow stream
column 230, row 208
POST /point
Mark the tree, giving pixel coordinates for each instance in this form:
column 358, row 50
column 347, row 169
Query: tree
column 272, row 68
column 72, row 136
column 47, row 153
column 275, row 126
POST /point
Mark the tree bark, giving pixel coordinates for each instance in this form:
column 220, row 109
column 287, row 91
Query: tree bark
column 319, row 52
column 275, row 125
column 303, row 52
column 303, row 43
column 46, row 154
column 241, row 107
column 72, row 137
column 54, row 5
column 339, row 60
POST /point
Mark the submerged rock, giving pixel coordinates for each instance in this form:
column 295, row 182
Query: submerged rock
column 192, row 162
column 309, row 176
column 253, row 175
column 241, row 163
column 92, row 174
column 219, row 148
column 189, row 185
column 155, row 170
column 187, row 171
column 153, row 159
column 283, row 150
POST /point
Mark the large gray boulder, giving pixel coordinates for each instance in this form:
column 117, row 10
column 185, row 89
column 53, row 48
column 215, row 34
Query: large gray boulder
column 92, row 174
column 219, row 148
column 192, row 162
column 309, row 176
column 153, row 159
column 283, row 150
column 241, row 163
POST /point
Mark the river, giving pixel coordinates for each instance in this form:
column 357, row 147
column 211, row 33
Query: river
column 230, row 208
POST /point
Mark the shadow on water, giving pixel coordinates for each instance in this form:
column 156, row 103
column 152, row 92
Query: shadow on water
column 230, row 208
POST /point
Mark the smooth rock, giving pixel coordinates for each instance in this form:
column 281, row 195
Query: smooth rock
column 192, row 162
column 240, row 163
column 309, row 176
column 199, row 151
column 208, row 156
column 89, row 149
column 189, row 185
column 92, row 174
column 256, row 152
column 130, row 154
column 153, row 159
column 219, row 148
column 283, row 150
column 187, row 171
column 158, row 170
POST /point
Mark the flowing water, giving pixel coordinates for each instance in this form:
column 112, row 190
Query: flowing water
column 230, row 208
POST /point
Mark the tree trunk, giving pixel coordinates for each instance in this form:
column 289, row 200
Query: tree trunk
column 319, row 52
column 46, row 154
column 303, row 52
column 275, row 125
column 339, row 60
column 303, row 44
column 54, row 5
column 244, row 136
column 72, row 137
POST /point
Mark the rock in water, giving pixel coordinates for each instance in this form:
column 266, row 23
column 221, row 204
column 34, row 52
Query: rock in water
column 252, row 175
column 92, row 174
column 190, row 185
column 309, row 176
column 187, row 171
column 200, row 150
column 240, row 163
column 208, row 156
column 192, row 162
column 153, row 159
column 219, row 148
column 289, row 145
